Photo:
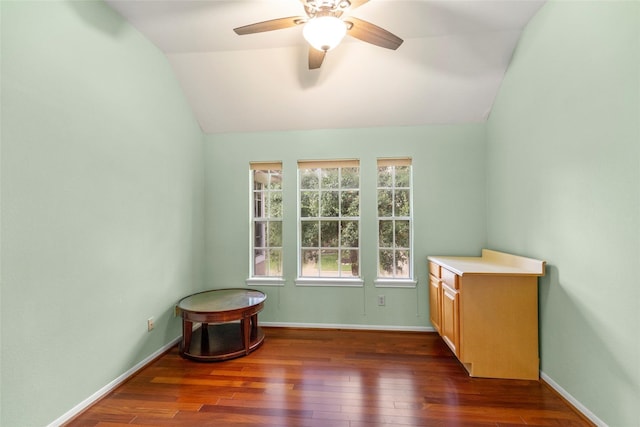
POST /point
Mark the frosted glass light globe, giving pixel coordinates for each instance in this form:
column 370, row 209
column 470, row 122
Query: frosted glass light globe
column 324, row 32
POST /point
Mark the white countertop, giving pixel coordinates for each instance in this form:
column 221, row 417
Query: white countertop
column 491, row 262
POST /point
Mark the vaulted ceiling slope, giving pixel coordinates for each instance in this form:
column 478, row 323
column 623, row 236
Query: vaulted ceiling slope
column 448, row 70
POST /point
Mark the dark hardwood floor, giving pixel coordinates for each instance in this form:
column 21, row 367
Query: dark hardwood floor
column 311, row 377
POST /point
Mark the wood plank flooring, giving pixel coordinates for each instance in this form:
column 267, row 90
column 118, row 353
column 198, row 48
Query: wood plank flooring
column 328, row 378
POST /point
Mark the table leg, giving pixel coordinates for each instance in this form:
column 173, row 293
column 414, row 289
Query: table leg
column 187, row 329
column 204, row 343
column 254, row 325
column 245, row 324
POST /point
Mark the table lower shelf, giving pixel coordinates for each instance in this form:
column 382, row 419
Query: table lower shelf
column 224, row 342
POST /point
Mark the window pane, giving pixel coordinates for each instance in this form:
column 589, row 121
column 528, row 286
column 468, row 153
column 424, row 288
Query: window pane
column 385, row 198
column 350, row 203
column 309, row 232
column 259, row 234
column 309, row 179
column 402, row 176
column 309, row 204
column 259, row 263
column 265, row 205
column 402, row 234
column 385, row 176
column 349, row 234
column 260, row 178
column 385, row 234
column 349, row 263
column 275, row 262
column 275, row 181
column 329, row 204
column 402, row 263
column 402, row 203
column 310, row 263
column 275, row 204
column 258, row 204
column 330, row 178
column 329, row 234
column 275, row 234
column 351, row 178
column 329, row 263
column 385, row 267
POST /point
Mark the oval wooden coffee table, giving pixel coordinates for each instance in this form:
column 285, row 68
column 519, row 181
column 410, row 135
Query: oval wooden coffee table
column 219, row 336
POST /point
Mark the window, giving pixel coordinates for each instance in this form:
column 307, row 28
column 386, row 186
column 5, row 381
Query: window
column 394, row 220
column 329, row 213
column 266, row 219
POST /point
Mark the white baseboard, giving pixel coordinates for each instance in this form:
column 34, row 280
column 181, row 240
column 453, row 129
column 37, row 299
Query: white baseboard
column 112, row 385
column 576, row 404
column 348, row 326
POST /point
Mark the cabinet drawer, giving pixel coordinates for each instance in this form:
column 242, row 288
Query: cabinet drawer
column 434, row 269
column 451, row 279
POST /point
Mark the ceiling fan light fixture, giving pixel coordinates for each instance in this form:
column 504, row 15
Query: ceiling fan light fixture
column 324, row 32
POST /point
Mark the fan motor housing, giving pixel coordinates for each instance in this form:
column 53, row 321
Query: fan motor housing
column 325, row 7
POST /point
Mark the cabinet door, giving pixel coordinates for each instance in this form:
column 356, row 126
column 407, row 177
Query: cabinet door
column 450, row 318
column 434, row 302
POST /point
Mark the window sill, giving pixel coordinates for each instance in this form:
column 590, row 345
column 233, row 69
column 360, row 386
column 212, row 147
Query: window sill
column 395, row 283
column 265, row 281
column 329, row 281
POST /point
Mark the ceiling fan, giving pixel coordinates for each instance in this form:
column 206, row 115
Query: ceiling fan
column 324, row 27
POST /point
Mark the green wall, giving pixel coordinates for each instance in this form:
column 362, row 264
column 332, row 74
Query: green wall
column 102, row 204
column 563, row 162
column 449, row 212
column 108, row 216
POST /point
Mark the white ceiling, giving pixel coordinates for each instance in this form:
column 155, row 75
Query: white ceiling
column 448, row 70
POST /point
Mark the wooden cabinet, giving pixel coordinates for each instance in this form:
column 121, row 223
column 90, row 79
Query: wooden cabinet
column 486, row 310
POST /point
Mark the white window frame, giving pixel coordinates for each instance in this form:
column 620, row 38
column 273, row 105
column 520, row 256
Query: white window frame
column 255, row 279
column 393, row 281
column 340, row 281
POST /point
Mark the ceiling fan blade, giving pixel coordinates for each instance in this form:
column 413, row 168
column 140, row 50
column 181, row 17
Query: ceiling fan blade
column 367, row 32
column 315, row 58
column 273, row 24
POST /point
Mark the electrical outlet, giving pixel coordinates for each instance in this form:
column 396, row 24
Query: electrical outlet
column 150, row 324
column 381, row 300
